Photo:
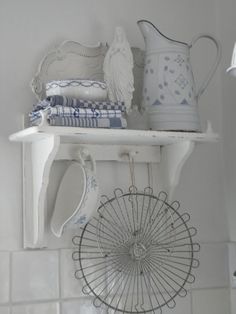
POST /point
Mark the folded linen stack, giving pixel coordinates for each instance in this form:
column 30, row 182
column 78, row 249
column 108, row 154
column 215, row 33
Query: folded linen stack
column 66, row 111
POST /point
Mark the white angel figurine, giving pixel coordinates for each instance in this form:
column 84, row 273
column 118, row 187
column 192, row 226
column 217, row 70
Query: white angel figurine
column 118, row 69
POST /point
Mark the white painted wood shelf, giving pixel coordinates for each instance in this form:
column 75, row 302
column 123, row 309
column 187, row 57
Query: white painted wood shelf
column 42, row 145
column 111, row 136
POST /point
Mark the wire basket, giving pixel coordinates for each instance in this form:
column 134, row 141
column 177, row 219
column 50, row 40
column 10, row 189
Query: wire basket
column 137, row 254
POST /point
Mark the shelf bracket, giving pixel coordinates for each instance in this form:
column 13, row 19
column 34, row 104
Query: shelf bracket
column 38, row 157
column 173, row 157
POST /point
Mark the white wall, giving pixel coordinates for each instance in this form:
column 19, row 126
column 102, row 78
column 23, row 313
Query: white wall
column 227, row 26
column 42, row 281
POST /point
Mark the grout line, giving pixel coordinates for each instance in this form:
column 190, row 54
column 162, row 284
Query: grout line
column 10, row 280
column 214, row 242
column 86, row 297
column 209, row 288
column 191, row 302
column 57, row 300
column 72, row 247
column 59, row 281
column 38, row 250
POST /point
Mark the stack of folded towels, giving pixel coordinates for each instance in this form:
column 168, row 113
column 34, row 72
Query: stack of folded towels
column 73, row 112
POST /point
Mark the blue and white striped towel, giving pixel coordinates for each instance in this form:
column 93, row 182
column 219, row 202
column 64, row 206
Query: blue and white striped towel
column 76, row 112
column 113, row 123
column 57, row 100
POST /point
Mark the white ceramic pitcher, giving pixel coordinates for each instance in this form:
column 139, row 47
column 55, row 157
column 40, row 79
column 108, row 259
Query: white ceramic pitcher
column 169, row 92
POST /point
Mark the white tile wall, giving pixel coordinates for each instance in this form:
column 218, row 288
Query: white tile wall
column 11, row 213
column 233, row 300
column 84, row 305
column 44, row 308
column 35, row 275
column 213, row 269
column 208, row 301
column 70, row 287
column 183, row 305
column 4, row 276
column 120, row 176
column 4, row 310
column 81, row 306
column 232, row 263
column 38, row 276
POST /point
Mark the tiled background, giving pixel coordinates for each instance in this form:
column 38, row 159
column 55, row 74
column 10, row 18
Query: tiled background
column 42, row 282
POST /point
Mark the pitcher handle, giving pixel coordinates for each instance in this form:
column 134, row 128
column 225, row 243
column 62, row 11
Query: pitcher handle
column 215, row 64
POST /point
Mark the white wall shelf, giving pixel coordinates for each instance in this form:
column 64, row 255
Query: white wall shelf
column 44, row 144
column 111, row 136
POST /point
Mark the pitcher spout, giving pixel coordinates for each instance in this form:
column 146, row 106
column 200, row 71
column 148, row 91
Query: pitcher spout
column 153, row 38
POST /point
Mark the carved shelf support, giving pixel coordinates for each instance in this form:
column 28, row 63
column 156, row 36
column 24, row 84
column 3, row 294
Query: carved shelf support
column 173, row 157
column 38, row 157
